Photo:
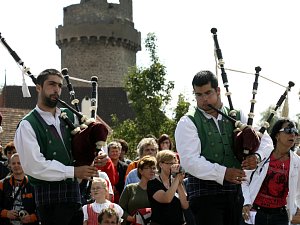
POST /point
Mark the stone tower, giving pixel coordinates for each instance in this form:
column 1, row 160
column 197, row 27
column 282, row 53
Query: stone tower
column 98, row 38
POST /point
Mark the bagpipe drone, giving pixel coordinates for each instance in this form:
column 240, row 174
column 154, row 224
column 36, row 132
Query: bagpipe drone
column 246, row 139
column 90, row 136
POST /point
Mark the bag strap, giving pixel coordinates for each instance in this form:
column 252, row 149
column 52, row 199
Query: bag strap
column 19, row 190
column 145, row 221
column 251, row 176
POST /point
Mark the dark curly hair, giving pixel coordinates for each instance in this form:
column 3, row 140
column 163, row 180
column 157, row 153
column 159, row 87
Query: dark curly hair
column 277, row 126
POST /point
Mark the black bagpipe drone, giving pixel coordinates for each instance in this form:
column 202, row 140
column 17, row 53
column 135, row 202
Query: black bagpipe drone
column 246, row 139
column 90, row 136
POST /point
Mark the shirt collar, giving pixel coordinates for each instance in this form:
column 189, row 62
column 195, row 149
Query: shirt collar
column 208, row 116
column 57, row 113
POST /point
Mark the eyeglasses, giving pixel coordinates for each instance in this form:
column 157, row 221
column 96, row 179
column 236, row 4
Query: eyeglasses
column 290, row 130
column 150, row 168
column 169, row 163
column 97, row 188
column 149, row 150
column 107, row 222
column 207, row 94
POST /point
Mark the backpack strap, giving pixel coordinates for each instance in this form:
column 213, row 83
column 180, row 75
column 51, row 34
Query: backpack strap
column 21, row 187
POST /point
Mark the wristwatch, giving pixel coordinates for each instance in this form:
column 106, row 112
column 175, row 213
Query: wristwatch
column 258, row 158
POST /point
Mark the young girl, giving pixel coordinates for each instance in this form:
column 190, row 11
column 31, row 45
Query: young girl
column 99, row 192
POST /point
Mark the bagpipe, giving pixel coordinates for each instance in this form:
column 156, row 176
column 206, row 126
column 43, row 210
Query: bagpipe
column 90, row 136
column 246, row 139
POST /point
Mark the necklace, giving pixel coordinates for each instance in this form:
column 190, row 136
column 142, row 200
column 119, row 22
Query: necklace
column 281, row 156
column 167, row 186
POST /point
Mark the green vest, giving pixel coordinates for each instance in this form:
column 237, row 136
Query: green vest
column 216, row 147
column 51, row 145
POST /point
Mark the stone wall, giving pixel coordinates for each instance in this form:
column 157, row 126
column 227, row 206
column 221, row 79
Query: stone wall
column 98, row 39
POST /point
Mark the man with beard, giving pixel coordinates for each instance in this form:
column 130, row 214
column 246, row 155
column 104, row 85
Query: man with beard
column 44, row 145
column 204, row 141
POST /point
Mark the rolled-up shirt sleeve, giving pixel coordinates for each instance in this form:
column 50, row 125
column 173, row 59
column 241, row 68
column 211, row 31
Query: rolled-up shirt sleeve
column 33, row 161
column 188, row 146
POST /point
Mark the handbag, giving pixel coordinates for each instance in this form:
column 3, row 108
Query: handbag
column 142, row 216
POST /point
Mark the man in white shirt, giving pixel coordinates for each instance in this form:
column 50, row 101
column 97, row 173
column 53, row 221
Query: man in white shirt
column 43, row 142
column 204, row 141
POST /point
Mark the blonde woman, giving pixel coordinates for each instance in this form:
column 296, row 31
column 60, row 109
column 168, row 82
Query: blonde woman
column 99, row 192
column 166, row 192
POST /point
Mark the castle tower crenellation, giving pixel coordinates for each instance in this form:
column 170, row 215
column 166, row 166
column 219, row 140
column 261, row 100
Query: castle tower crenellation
column 98, row 39
column 97, row 11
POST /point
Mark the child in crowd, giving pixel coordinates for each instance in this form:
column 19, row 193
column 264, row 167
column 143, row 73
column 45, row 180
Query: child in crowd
column 99, row 192
column 108, row 216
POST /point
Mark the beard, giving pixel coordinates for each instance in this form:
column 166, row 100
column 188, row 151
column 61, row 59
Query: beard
column 48, row 101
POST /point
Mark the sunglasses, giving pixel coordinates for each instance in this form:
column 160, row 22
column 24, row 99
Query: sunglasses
column 290, row 130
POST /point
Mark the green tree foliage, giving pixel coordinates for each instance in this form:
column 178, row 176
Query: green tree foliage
column 149, row 94
column 182, row 107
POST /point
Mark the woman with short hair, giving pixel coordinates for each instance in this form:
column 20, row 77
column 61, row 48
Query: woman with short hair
column 166, row 192
column 134, row 197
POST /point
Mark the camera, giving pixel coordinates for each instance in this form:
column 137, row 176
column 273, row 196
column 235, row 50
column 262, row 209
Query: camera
column 181, row 170
column 23, row 213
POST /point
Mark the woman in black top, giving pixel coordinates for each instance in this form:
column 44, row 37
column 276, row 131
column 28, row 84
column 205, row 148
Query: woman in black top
column 166, row 193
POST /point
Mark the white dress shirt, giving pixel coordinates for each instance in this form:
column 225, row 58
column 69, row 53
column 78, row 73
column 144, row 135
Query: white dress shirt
column 188, row 145
column 32, row 160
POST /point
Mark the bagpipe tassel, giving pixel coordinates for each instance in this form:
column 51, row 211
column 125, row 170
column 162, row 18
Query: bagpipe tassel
column 25, row 90
column 285, row 108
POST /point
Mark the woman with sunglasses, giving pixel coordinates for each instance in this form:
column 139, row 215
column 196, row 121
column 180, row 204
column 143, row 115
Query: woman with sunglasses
column 272, row 191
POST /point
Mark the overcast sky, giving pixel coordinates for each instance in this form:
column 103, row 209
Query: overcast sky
column 251, row 33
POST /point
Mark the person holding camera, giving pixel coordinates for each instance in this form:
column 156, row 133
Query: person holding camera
column 166, row 192
column 17, row 204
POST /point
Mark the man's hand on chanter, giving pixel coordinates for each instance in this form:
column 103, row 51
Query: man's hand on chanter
column 85, row 172
column 101, row 159
column 250, row 162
